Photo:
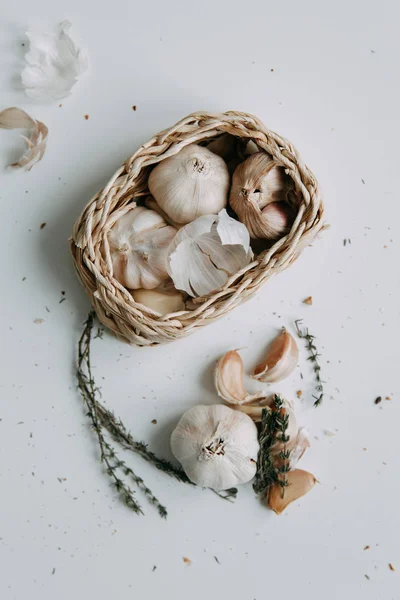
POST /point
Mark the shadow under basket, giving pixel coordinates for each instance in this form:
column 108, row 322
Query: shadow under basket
column 114, row 304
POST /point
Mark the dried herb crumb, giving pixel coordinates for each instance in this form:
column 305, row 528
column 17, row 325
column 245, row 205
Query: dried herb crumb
column 388, row 398
column 216, row 560
column 308, row 301
column 62, row 300
column 134, row 107
column 299, row 393
column 38, row 321
column 24, row 279
column 154, row 421
column 363, row 181
column 367, row 577
column 391, row 567
column 154, row 568
column 187, row 561
column 272, row 70
column 367, row 547
column 86, row 117
column 43, row 225
column 53, row 571
column 378, row 400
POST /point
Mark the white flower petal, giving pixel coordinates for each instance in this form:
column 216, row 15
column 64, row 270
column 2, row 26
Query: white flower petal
column 16, row 118
column 54, row 64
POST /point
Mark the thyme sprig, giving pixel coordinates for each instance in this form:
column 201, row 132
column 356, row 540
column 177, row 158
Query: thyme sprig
column 103, row 419
column 274, row 426
column 313, row 357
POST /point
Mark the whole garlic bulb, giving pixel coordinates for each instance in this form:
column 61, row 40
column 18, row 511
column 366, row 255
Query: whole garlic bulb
column 258, row 196
column 217, row 446
column 205, row 253
column 190, row 184
column 138, row 242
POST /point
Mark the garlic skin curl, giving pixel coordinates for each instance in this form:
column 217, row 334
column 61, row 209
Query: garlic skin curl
column 228, row 379
column 138, row 243
column 281, row 359
column 258, row 196
column 192, row 183
column 216, row 446
column 205, row 253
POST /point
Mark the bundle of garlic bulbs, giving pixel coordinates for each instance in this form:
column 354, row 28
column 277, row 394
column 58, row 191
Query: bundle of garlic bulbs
column 184, row 233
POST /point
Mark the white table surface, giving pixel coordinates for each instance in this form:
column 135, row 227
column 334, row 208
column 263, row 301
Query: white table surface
column 324, row 76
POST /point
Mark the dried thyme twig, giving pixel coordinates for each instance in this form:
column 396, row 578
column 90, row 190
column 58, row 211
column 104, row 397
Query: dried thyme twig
column 274, row 423
column 101, row 417
column 313, row 357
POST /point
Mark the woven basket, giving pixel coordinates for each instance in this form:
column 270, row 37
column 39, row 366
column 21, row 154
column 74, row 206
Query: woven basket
column 114, row 305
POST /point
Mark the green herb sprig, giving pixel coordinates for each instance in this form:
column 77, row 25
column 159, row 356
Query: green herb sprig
column 313, row 357
column 274, row 426
column 103, row 419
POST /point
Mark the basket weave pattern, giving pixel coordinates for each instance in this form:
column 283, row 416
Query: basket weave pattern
column 113, row 303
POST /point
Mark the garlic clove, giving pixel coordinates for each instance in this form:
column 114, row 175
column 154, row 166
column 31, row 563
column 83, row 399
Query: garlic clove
column 229, row 380
column 139, row 242
column 298, row 447
column 280, row 361
column 253, row 410
column 216, row 446
column 299, row 484
column 206, row 252
column 161, row 302
column 191, row 183
column 257, row 183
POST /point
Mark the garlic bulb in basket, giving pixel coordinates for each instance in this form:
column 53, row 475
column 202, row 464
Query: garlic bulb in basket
column 216, row 446
column 205, row 253
column 258, row 196
column 139, row 243
column 190, row 184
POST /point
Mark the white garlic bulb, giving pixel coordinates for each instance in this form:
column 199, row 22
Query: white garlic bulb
column 216, row 446
column 138, row 242
column 190, row 184
column 259, row 195
column 205, row 253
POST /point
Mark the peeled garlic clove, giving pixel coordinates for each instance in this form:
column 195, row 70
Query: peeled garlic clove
column 159, row 301
column 257, row 183
column 299, row 484
column 205, row 253
column 280, row 361
column 192, row 183
column 139, row 243
column 229, row 380
column 217, row 446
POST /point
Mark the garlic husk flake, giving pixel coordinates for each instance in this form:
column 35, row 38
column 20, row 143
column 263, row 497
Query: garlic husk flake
column 217, row 446
column 16, row 118
column 54, row 64
column 299, row 483
column 191, row 183
column 206, row 252
column 281, row 359
column 139, row 243
column 228, row 378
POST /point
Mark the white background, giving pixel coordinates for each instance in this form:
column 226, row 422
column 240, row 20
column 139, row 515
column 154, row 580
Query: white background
column 326, row 77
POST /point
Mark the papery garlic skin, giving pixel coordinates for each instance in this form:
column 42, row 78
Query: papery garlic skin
column 205, row 253
column 216, row 446
column 139, row 243
column 192, row 183
column 54, row 64
column 258, row 196
column 16, row 118
column 281, row 359
column 159, row 301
